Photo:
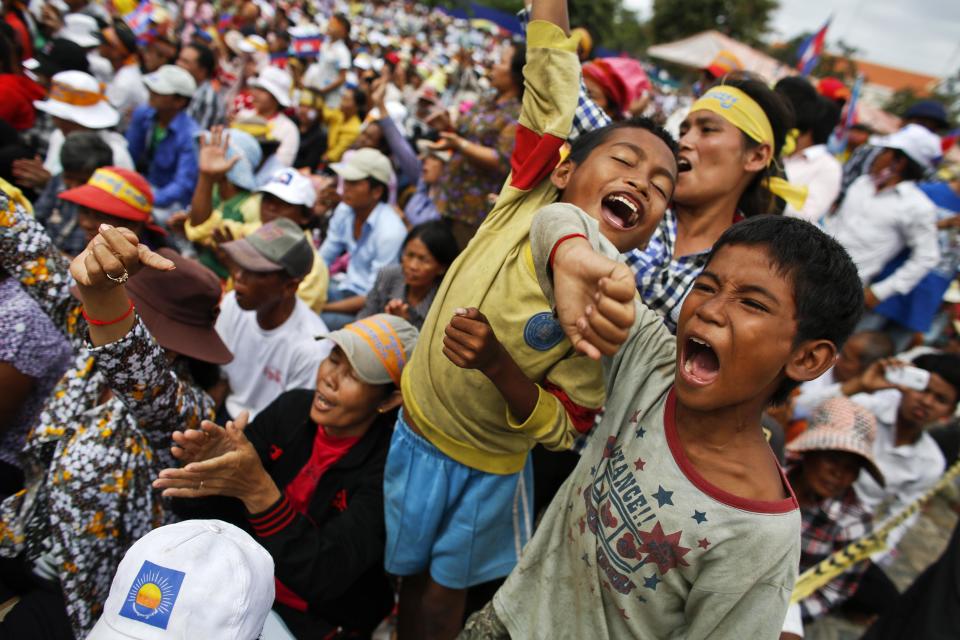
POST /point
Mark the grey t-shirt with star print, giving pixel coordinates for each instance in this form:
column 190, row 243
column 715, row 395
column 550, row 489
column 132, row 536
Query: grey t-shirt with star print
column 637, row 543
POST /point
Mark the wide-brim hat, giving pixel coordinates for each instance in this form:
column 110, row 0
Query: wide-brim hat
column 276, row 82
column 77, row 96
column 839, row 424
column 116, row 192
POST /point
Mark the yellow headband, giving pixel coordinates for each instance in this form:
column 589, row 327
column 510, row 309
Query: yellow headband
column 743, row 112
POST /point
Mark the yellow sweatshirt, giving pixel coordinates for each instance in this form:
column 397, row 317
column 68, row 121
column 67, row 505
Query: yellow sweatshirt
column 460, row 411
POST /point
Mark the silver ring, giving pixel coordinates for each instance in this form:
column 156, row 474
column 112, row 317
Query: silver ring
column 119, row 279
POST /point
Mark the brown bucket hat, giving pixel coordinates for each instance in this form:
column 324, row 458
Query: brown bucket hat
column 180, row 308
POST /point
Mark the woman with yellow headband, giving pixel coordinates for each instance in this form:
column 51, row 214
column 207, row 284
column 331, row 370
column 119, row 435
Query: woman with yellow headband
column 730, row 143
column 306, row 479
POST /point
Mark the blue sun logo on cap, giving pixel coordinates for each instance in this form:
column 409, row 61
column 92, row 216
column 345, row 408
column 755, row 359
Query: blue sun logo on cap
column 152, row 595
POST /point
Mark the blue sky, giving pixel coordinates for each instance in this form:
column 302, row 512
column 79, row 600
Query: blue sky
column 920, row 35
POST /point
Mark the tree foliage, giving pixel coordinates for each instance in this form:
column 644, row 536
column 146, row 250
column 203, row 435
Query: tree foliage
column 744, row 20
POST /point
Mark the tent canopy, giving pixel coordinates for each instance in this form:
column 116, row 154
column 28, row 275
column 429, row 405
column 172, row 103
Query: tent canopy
column 699, row 50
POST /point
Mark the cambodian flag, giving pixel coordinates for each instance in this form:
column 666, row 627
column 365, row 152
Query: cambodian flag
column 139, row 18
column 809, row 52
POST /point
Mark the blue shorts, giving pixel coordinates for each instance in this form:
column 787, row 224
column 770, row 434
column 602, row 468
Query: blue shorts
column 464, row 525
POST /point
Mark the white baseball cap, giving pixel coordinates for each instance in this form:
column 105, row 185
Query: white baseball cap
column 78, row 97
column 276, row 82
column 253, row 44
column 80, row 29
column 918, row 142
column 194, row 579
column 292, row 187
column 365, row 163
column 171, row 80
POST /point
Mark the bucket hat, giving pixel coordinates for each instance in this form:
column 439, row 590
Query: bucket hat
column 78, row 97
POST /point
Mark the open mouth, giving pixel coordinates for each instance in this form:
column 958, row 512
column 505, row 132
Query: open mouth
column 683, row 165
column 621, row 210
column 321, row 403
column 701, row 366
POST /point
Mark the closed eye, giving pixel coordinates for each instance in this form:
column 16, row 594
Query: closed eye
column 622, row 161
column 753, row 304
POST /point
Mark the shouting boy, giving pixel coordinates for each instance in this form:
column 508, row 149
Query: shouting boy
column 457, row 481
column 677, row 521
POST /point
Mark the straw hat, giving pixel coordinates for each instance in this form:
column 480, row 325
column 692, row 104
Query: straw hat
column 839, row 424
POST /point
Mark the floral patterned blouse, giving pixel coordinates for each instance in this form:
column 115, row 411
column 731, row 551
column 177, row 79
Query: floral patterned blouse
column 89, row 464
column 463, row 193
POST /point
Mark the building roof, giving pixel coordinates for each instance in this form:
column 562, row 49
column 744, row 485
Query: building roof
column 896, row 79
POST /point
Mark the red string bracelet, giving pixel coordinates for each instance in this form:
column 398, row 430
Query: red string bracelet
column 560, row 242
column 106, row 323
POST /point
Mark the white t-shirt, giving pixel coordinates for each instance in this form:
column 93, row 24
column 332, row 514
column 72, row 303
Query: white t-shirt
column 267, row 363
column 333, row 58
column 116, row 142
column 127, row 92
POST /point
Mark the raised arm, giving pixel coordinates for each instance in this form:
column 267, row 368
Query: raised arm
column 213, row 166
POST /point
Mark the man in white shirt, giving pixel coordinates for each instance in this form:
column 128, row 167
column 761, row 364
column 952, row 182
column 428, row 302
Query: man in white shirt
column 885, row 212
column 126, row 91
column 269, row 330
column 329, row 73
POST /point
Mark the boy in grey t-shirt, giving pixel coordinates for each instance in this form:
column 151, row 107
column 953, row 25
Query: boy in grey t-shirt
column 678, row 522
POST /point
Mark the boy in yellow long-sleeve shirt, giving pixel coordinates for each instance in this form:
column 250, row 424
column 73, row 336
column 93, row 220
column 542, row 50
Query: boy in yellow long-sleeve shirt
column 457, row 484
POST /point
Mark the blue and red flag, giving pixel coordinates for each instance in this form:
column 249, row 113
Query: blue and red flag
column 810, row 50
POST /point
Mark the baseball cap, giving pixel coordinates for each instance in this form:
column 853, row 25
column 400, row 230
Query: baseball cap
column 292, row 187
column 78, row 97
column 59, row 55
column 276, row 82
column 171, row 80
column 378, row 347
column 278, row 245
column 833, row 89
column 116, row 192
column 839, row 424
column 194, row 579
column 918, row 142
column 365, row 163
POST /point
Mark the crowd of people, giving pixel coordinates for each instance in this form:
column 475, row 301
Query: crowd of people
column 322, row 319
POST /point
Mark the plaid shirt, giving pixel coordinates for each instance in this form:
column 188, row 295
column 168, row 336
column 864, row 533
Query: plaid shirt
column 825, row 528
column 663, row 280
column 206, row 107
column 588, row 115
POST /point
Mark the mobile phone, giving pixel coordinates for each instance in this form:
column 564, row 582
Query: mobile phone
column 909, row 377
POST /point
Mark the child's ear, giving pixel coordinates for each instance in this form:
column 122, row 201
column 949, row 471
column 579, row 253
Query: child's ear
column 561, row 175
column 810, row 360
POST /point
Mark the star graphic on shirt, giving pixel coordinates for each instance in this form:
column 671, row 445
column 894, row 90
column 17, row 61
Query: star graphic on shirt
column 662, row 550
column 699, row 516
column 663, row 496
column 641, row 432
column 703, row 544
column 651, row 582
column 638, row 464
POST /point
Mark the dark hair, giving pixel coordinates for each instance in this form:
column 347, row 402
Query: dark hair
column 584, row 145
column 361, row 99
column 205, row 374
column 877, row 344
column 11, row 52
column 802, row 96
column 945, row 365
column 517, row 62
column 345, row 23
column 912, row 170
column 827, row 119
column 827, row 291
column 205, row 58
column 438, row 238
column 756, row 198
column 374, row 183
column 85, row 151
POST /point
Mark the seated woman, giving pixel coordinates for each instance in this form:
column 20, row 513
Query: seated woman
column 407, row 289
column 306, row 478
column 145, row 348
